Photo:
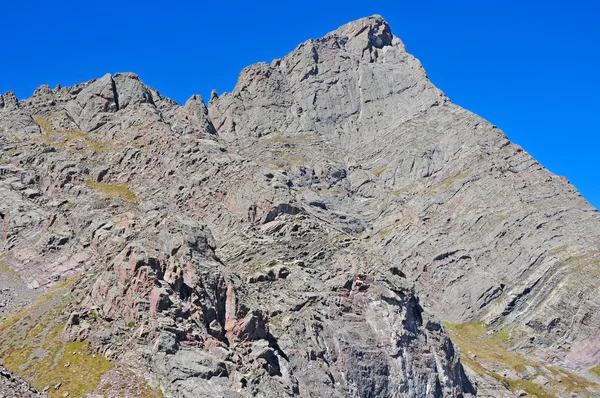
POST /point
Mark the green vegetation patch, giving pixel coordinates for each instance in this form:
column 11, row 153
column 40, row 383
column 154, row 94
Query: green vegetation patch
column 32, row 346
column 446, row 184
column 68, row 139
column 479, row 348
column 504, row 334
column 257, row 266
column 451, row 181
column 73, row 365
column 379, row 172
column 384, row 233
column 474, row 342
column 5, row 270
column 118, row 191
column 291, row 138
column 277, row 321
column 595, row 370
column 559, row 250
column 587, row 264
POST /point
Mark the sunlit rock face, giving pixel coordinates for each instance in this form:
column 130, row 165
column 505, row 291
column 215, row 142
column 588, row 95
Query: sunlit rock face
column 307, row 234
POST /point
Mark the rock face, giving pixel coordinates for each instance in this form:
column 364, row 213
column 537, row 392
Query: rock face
column 13, row 387
column 301, row 236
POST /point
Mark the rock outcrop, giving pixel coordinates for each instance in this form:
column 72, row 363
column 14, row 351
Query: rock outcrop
column 14, row 387
column 304, row 235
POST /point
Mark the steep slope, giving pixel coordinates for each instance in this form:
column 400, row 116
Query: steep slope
column 13, row 387
column 483, row 230
column 297, row 237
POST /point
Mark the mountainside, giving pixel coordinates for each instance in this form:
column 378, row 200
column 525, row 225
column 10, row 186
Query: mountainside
column 334, row 226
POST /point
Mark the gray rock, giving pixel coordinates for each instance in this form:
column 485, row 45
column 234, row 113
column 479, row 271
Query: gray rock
column 9, row 101
column 130, row 90
column 193, row 117
column 14, row 387
column 301, row 236
column 92, row 105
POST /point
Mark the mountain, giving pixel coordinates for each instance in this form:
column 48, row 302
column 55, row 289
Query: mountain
column 334, row 226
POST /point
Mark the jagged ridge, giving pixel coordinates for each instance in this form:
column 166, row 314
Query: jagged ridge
column 277, row 240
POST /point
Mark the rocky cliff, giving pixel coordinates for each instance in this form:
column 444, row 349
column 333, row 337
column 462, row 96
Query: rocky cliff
column 334, row 226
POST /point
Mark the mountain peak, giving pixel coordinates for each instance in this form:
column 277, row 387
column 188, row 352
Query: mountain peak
column 361, row 67
column 373, row 30
column 304, row 235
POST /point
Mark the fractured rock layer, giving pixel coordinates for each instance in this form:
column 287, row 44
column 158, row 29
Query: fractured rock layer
column 299, row 236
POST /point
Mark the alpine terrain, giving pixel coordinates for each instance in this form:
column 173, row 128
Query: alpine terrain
column 333, row 227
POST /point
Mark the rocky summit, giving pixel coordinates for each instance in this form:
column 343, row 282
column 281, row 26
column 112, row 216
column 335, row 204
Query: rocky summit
column 333, row 227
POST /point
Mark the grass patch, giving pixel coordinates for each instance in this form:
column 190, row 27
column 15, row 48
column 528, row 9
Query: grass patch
column 595, row 371
column 5, row 270
column 559, row 250
column 474, row 342
column 571, row 382
column 588, row 263
column 451, row 181
column 68, row 139
column 503, row 334
column 479, row 348
column 529, row 387
column 74, row 365
column 26, row 313
column 32, row 346
column 290, row 138
column 384, row 233
column 256, row 266
column 277, row 321
column 446, row 184
column 118, row 191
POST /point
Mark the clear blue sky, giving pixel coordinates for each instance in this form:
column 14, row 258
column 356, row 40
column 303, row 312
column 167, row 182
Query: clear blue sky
column 530, row 67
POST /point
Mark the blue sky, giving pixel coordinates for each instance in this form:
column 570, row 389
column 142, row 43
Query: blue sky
column 530, row 67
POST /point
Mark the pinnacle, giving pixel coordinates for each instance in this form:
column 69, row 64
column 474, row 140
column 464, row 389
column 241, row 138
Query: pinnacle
column 374, row 28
